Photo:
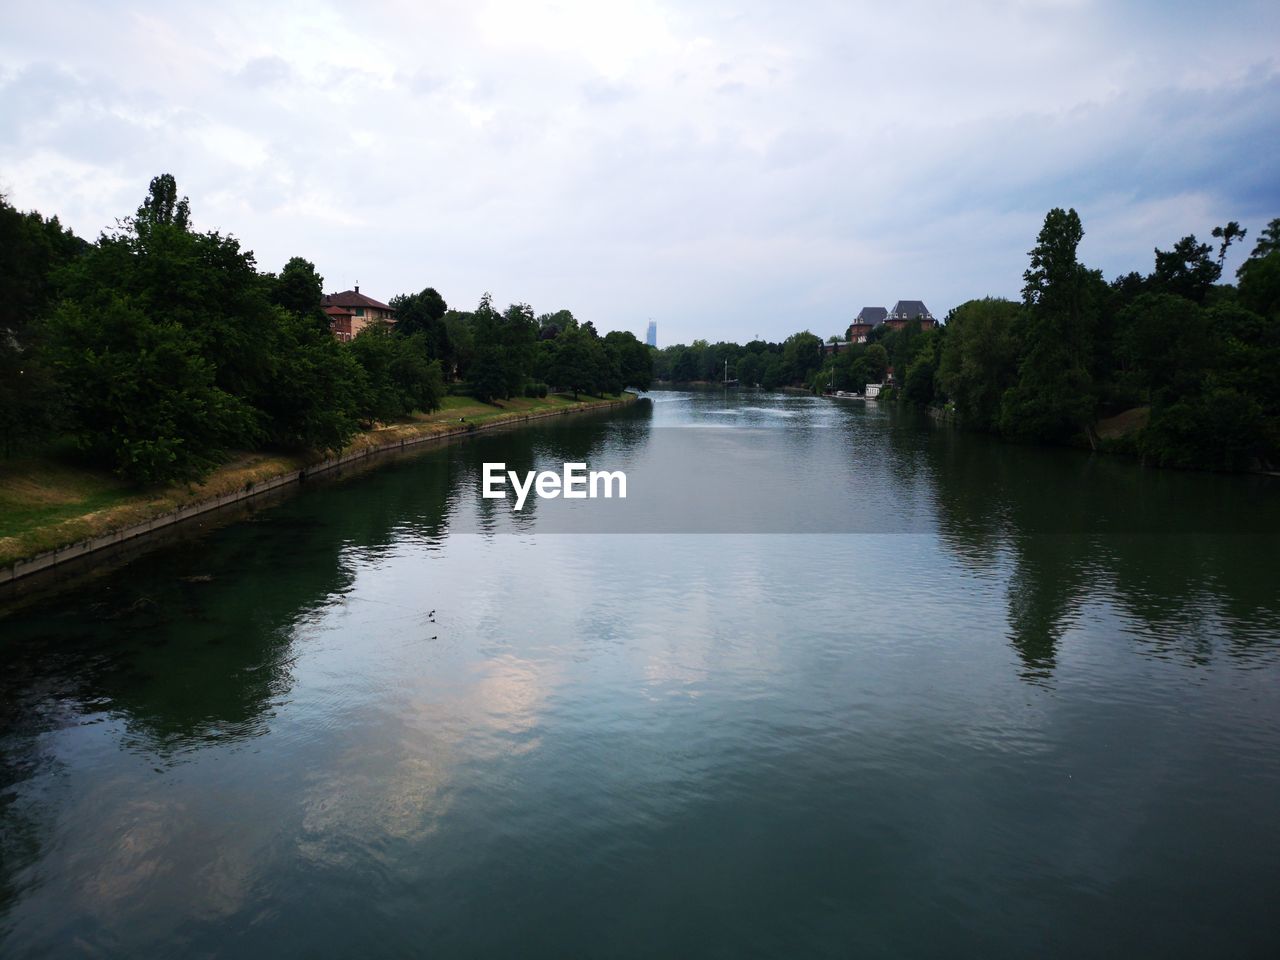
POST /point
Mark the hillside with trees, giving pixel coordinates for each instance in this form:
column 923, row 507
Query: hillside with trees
column 159, row 349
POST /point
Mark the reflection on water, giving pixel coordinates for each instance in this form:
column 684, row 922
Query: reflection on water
column 981, row 700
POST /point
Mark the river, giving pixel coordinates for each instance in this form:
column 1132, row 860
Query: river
column 831, row 681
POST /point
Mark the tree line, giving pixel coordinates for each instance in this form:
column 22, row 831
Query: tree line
column 159, row 349
column 1174, row 366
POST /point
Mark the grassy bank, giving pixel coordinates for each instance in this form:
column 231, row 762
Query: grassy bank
column 47, row 503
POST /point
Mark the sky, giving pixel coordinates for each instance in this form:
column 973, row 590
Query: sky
column 728, row 170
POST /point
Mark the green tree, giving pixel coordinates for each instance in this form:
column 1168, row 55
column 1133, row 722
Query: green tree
column 979, row 360
column 299, row 289
column 1052, row 398
column 162, row 208
column 424, row 313
column 33, row 252
column 633, row 358
column 1188, row 270
column 801, row 356
column 144, row 397
column 918, row 384
column 1228, row 235
column 1259, row 276
column 318, row 388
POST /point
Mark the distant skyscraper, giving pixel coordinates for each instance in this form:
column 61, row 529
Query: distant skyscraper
column 651, row 338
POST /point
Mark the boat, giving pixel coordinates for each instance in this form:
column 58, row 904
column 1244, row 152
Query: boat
column 873, row 390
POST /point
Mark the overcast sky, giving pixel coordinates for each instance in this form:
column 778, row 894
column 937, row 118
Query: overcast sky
column 727, row 169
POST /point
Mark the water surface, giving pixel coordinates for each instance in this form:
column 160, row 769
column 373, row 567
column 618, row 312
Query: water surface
column 830, row 682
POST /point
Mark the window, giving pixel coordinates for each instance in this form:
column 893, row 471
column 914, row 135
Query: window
column 359, row 311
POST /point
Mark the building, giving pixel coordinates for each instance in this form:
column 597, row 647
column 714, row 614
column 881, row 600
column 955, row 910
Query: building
column 351, row 311
column 868, row 319
column 340, row 322
column 904, row 311
column 651, row 335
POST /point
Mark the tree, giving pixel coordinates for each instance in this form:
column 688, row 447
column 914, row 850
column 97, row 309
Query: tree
column 979, row 360
column 399, row 374
column 488, row 369
column 424, row 313
column 1053, row 259
column 1052, row 398
column 918, row 384
column 1259, row 276
column 33, row 252
column 144, row 396
column 573, row 362
column 319, row 388
column 1228, row 235
column 772, row 377
column 1188, row 270
column 1268, row 241
column 686, row 366
column 162, row 207
column 801, row 356
column 551, row 325
column 750, row 368
column 1220, row 429
column 299, row 289
column 633, row 358
column 1163, row 345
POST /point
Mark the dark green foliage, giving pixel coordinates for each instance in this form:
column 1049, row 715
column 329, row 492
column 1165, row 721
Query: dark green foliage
column 1228, row 235
column 487, row 370
column 31, row 398
column 33, row 250
column 1204, row 358
column 399, row 374
column 143, row 395
column 162, row 208
column 979, row 360
column 633, row 359
column 578, row 360
column 1053, row 397
column 1268, row 240
column 1219, row 429
column 917, row 386
column 801, row 356
column 1162, row 345
column 1188, row 270
column 424, row 313
column 318, row 388
column 299, row 289
column 1259, row 278
column 749, row 369
column 772, row 377
column 685, row 367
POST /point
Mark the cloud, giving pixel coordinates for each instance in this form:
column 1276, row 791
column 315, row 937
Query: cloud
column 726, row 170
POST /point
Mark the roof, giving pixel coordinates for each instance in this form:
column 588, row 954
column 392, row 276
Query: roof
column 872, row 315
column 337, row 311
column 352, row 298
column 909, row 310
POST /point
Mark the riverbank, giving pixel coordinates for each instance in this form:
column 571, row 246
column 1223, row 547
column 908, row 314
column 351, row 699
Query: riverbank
column 53, row 512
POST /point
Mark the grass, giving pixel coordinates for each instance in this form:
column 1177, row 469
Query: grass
column 51, row 502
